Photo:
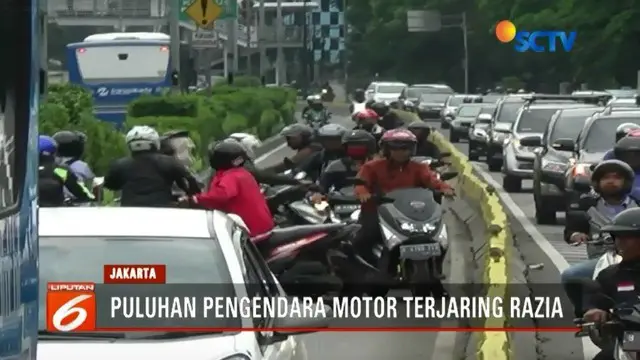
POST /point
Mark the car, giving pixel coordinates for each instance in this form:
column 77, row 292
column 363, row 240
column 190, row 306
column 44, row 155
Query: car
column 503, row 118
column 551, row 161
column 492, row 98
column 623, row 93
column 478, row 137
column 451, row 106
column 410, row 96
column 430, row 105
column 532, row 120
column 386, row 92
column 441, row 88
column 197, row 247
column 464, row 117
column 595, row 139
column 622, row 103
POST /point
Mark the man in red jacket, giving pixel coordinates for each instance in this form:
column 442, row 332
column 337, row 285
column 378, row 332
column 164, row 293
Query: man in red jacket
column 234, row 190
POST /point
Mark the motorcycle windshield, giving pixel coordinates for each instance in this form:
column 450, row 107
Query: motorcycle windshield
column 422, row 159
column 415, row 204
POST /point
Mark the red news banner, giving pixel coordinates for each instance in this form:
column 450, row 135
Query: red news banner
column 137, row 298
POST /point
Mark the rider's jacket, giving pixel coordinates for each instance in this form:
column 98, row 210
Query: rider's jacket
column 146, row 179
column 315, row 164
column 356, row 107
column 81, row 170
column 384, row 176
column 336, row 174
column 428, row 149
column 235, row 191
column 53, row 179
column 578, row 219
column 619, row 282
column 391, row 121
column 299, row 158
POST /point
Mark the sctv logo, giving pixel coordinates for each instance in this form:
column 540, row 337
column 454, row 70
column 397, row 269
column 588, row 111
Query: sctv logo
column 537, row 41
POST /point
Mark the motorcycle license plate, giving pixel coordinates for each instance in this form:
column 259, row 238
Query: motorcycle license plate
column 631, row 341
column 346, row 208
column 418, row 252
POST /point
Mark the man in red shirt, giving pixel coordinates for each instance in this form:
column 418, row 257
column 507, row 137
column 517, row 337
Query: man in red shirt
column 234, row 190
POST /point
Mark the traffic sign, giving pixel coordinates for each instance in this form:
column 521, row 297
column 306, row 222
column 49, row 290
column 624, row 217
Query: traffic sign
column 204, row 12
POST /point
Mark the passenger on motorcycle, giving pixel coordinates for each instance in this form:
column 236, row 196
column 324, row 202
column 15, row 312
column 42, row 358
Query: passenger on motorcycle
column 425, row 147
column 625, row 229
column 330, row 138
column 367, row 120
column 359, row 147
column 621, row 132
column 234, row 190
column 358, row 98
column 146, row 177
column 179, row 144
column 299, row 138
column 628, row 150
column 53, row 178
column 70, row 151
column 315, row 105
column 388, row 119
column 394, row 171
column 611, row 181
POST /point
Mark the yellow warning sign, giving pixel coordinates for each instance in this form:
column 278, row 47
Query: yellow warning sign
column 203, row 12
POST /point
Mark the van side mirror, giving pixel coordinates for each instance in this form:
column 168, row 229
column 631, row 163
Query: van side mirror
column 532, row 141
column 564, row 145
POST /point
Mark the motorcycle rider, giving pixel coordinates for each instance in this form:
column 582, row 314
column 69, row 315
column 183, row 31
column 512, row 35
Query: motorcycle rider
column 425, row 147
column 315, row 105
column 146, row 177
column 234, row 190
column 611, row 181
column 628, row 150
column 178, row 143
column 70, row 151
column 53, row 178
column 299, row 138
column 367, row 120
column 359, row 98
column 388, row 119
column 310, row 100
column 330, row 137
column 621, row 132
column 394, row 171
column 625, row 229
column 359, row 147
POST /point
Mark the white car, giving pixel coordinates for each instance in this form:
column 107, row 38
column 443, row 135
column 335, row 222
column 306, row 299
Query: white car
column 386, row 92
column 197, row 246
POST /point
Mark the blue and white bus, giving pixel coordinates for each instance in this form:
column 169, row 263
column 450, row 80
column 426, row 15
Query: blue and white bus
column 19, row 94
column 119, row 67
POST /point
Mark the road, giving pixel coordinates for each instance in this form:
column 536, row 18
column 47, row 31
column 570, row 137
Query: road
column 392, row 345
column 539, row 244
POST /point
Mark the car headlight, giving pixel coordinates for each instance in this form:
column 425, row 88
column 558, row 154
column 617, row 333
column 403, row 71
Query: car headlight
column 480, row 133
column 498, row 137
column 554, row 166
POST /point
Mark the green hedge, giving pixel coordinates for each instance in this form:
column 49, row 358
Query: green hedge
column 243, row 108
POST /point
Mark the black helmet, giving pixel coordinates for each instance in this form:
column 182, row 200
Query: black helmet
column 359, row 138
column 613, row 166
column 626, row 145
column 380, row 108
column 625, row 223
column 422, row 126
column 305, row 132
column 624, row 129
column 332, row 130
column 226, row 155
column 70, row 143
column 369, row 104
column 359, row 95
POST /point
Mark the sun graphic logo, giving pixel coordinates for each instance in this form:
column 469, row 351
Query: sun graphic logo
column 505, row 31
column 534, row 40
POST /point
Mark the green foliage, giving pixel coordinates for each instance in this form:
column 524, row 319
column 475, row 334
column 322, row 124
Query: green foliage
column 74, row 99
column 604, row 52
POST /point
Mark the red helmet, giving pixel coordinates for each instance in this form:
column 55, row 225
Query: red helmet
column 398, row 139
column 634, row 133
column 365, row 114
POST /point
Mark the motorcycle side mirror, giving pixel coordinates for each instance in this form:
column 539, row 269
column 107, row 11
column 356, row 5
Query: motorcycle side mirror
column 300, row 176
column 448, row 175
column 436, row 164
column 592, row 167
column 355, row 181
column 288, row 163
column 288, row 172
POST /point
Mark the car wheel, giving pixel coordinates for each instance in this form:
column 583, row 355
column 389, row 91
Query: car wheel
column 494, row 165
column 453, row 137
column 511, row 184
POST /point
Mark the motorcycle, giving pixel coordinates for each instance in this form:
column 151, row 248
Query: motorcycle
column 414, row 242
column 317, row 119
column 621, row 333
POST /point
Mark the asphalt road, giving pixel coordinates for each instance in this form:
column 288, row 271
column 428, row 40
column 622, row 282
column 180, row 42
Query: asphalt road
column 539, row 244
column 392, row 345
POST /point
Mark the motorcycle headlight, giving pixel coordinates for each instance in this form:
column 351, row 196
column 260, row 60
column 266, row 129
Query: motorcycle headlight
column 554, row 166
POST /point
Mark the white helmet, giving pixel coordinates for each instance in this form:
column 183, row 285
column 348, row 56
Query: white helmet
column 143, row 138
column 248, row 141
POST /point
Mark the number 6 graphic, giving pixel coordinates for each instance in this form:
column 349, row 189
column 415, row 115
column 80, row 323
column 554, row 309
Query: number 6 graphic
column 69, row 309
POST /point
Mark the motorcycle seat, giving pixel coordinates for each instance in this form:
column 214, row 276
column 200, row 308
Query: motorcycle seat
column 281, row 236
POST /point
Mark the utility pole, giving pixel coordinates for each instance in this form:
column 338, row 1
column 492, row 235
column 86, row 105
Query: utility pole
column 280, row 73
column 249, row 21
column 345, row 37
column 261, row 39
column 305, row 49
column 174, row 33
column 466, row 52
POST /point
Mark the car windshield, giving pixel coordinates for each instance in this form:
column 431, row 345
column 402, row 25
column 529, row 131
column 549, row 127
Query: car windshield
column 568, row 127
column 390, row 89
column 491, row 98
column 602, row 133
column 534, row 120
column 81, row 259
column 509, row 112
column 469, row 111
column 434, row 98
column 455, row 101
column 487, row 110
